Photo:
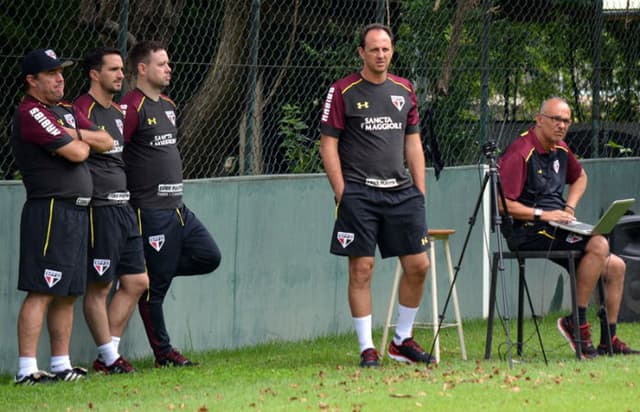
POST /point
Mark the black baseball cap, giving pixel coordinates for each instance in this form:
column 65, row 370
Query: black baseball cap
column 42, row 60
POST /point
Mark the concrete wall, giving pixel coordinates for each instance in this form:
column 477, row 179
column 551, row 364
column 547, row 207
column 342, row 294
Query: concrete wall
column 277, row 280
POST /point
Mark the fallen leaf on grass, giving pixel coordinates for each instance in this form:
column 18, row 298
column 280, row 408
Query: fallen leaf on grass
column 323, row 405
column 400, row 395
column 203, row 408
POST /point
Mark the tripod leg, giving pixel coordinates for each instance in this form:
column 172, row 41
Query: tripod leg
column 535, row 320
column 492, row 306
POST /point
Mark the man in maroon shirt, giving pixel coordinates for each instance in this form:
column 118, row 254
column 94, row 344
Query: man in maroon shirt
column 50, row 144
column 534, row 171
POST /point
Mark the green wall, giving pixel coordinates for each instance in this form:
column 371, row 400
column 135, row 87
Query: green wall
column 277, row 280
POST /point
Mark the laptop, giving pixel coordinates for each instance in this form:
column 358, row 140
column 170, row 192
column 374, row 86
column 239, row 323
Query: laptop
column 606, row 223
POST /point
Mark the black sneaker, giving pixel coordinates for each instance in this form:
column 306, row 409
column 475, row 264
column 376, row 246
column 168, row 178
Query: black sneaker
column 173, row 358
column 410, row 352
column 565, row 326
column 71, row 375
column 618, row 347
column 369, row 358
column 35, row 378
column 121, row 365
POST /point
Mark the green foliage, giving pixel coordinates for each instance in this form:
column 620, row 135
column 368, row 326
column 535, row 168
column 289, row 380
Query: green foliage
column 622, row 151
column 301, row 153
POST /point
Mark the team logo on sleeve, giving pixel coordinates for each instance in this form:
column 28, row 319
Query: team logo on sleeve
column 101, row 265
column 52, row 277
column 156, row 242
column 71, row 121
column 345, row 238
column 171, row 115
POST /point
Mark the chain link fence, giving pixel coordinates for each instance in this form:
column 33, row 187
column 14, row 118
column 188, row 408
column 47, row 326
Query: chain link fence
column 250, row 75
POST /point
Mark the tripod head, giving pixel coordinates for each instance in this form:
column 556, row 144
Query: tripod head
column 489, row 150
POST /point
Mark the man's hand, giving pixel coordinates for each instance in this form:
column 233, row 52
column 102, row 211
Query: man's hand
column 560, row 216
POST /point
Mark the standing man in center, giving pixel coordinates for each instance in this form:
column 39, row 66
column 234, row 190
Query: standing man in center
column 115, row 245
column 369, row 127
column 175, row 242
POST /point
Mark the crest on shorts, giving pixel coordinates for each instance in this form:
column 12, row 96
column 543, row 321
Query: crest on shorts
column 156, row 242
column 398, row 102
column 52, row 277
column 101, row 265
column 171, row 115
column 573, row 238
column 556, row 166
column 345, row 238
column 71, row 121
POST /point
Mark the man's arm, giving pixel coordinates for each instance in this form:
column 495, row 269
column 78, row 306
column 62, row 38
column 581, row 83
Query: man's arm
column 75, row 151
column 519, row 211
column 99, row 140
column 576, row 190
column 415, row 160
column 331, row 163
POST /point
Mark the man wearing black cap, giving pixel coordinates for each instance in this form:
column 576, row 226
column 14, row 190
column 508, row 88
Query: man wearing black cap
column 50, row 143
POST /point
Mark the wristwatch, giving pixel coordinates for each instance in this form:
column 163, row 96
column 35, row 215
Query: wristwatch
column 537, row 213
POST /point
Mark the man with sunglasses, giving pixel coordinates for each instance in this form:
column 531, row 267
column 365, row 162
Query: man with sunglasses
column 534, row 170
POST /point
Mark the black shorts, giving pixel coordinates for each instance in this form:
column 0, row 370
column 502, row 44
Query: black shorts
column 395, row 220
column 175, row 243
column 53, row 247
column 115, row 244
column 544, row 237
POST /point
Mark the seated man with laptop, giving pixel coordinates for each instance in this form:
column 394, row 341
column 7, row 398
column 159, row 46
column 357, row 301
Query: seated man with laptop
column 534, row 170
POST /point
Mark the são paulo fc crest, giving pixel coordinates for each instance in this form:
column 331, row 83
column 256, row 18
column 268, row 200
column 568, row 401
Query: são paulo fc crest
column 156, row 242
column 120, row 125
column 556, row 166
column 345, row 238
column 101, row 265
column 171, row 115
column 398, row 102
column 71, row 121
column 573, row 238
column 52, row 277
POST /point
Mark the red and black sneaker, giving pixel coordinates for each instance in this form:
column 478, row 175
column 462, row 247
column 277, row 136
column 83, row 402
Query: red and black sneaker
column 410, row 352
column 565, row 326
column 173, row 358
column 121, row 365
column 618, row 347
column 369, row 358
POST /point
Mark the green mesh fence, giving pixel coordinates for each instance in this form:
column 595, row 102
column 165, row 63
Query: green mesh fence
column 250, row 75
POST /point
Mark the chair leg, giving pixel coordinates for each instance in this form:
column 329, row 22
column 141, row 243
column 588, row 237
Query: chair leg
column 574, row 307
column 492, row 306
column 521, row 284
column 602, row 314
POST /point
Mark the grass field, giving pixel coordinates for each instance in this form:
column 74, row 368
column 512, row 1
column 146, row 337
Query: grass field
column 322, row 375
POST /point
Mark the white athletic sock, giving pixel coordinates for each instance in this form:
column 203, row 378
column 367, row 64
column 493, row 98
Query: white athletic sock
column 404, row 327
column 108, row 354
column 27, row 366
column 116, row 342
column 363, row 330
column 60, row 363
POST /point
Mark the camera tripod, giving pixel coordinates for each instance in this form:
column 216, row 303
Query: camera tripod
column 491, row 180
